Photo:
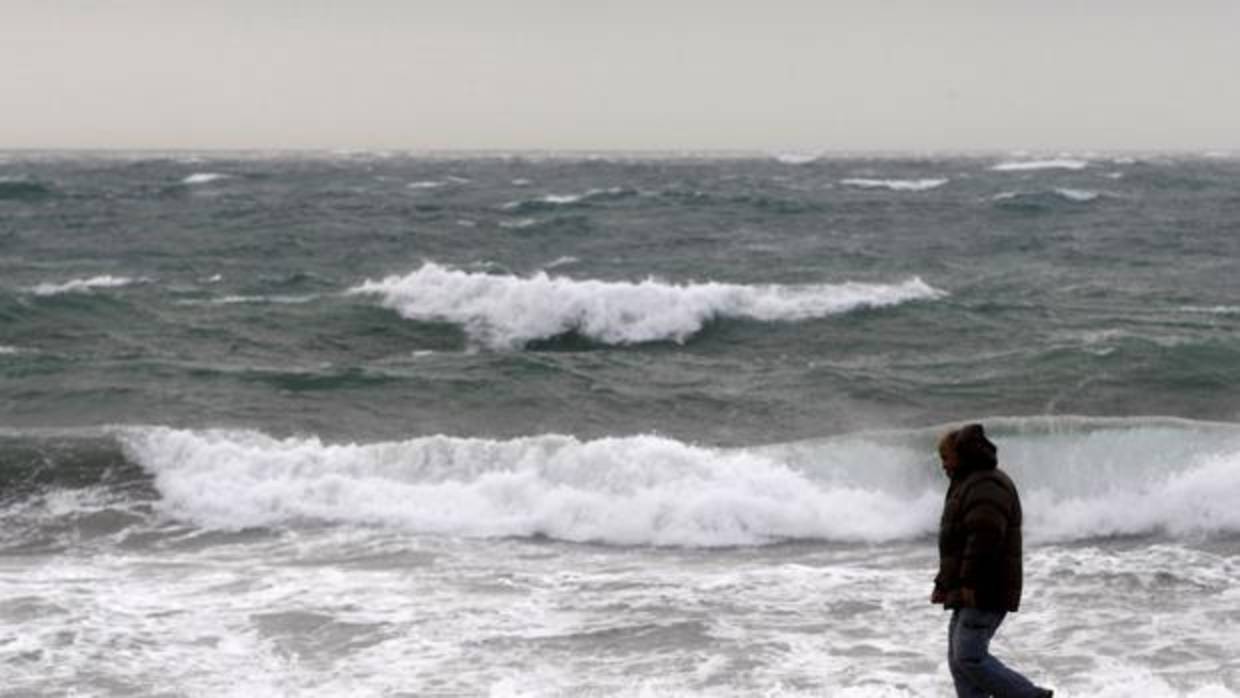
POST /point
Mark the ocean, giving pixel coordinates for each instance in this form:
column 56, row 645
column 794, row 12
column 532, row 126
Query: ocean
column 386, row 424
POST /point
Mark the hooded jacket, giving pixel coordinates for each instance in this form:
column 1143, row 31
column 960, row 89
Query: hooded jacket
column 980, row 545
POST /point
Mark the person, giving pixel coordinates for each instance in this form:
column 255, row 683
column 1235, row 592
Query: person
column 980, row 565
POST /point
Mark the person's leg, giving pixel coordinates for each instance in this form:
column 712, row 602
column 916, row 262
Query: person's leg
column 964, row 686
column 970, row 653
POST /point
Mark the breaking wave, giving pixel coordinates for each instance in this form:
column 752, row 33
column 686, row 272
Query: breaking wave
column 895, row 184
column 1080, row 479
column 508, row 312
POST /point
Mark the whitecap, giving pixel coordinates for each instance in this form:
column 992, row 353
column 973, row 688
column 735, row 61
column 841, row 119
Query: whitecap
column 1030, row 165
column 895, row 184
column 258, row 300
column 83, row 285
column 638, row 490
column 508, row 312
column 425, row 184
column 567, row 199
column 560, row 262
column 204, row 178
column 1080, row 478
column 796, row 158
column 519, row 224
column 1079, row 195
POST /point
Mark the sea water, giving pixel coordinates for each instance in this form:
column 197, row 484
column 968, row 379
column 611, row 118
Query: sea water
column 607, row 425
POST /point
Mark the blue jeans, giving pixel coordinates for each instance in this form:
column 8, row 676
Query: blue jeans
column 975, row 672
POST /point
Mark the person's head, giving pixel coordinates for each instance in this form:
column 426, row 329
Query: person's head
column 967, row 449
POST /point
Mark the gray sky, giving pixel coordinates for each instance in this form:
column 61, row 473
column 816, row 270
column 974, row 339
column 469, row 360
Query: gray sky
column 643, row 74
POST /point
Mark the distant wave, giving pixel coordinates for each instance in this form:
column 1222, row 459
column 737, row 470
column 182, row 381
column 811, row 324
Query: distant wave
column 1213, row 310
column 19, row 188
column 1079, row 478
column 255, row 300
column 83, row 285
column 561, row 262
column 6, row 350
column 425, row 184
column 1028, row 165
column 508, row 312
column 796, row 158
column 1081, row 195
column 204, row 178
column 1046, row 198
column 895, row 184
column 556, row 200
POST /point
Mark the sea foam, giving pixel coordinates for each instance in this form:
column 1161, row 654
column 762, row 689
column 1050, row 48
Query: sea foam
column 895, row 184
column 508, row 312
column 548, row 201
column 82, row 285
column 638, row 490
column 1079, row 480
column 204, row 178
column 1029, row 165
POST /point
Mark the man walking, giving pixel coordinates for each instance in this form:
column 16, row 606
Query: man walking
column 980, row 571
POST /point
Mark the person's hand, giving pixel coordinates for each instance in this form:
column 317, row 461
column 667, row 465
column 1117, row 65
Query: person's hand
column 968, row 598
column 938, row 596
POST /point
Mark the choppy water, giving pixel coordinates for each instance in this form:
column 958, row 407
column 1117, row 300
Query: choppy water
column 384, row 425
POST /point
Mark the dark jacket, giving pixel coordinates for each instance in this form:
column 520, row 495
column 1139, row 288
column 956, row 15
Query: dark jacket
column 979, row 534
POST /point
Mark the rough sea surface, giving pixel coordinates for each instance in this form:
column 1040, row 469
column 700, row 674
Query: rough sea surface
column 607, row 425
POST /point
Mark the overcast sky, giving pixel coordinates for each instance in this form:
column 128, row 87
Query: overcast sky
column 773, row 75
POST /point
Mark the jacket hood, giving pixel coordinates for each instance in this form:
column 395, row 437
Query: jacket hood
column 976, row 452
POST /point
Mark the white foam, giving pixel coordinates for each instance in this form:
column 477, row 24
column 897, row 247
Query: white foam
column 1029, row 165
column 204, row 178
column 1080, row 479
column 507, row 312
column 1080, row 195
column 83, row 285
column 796, row 158
column 895, row 184
column 426, row 184
column 561, row 262
column 260, row 300
column 6, row 350
column 519, row 224
column 640, row 490
column 567, row 199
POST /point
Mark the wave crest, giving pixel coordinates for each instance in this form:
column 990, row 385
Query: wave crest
column 1079, row 479
column 204, row 178
column 1030, row 165
column 508, row 312
column 83, row 285
column 640, row 490
column 552, row 201
column 895, row 184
